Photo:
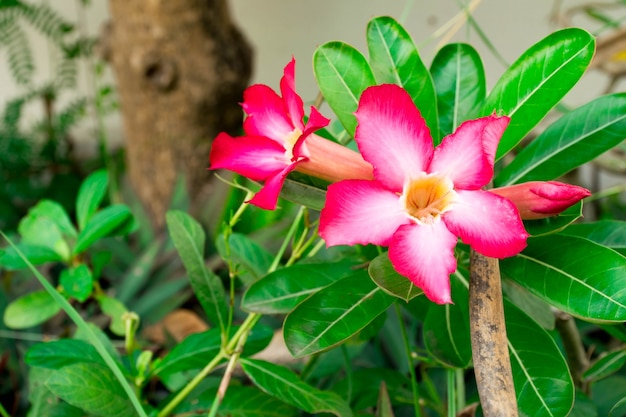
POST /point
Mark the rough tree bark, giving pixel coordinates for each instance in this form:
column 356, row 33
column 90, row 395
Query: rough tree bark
column 181, row 68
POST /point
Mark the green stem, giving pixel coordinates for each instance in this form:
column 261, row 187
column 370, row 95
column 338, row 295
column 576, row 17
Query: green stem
column 460, row 389
column 292, row 230
column 409, row 356
column 451, row 374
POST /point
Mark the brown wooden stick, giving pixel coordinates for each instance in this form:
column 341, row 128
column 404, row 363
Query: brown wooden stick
column 490, row 352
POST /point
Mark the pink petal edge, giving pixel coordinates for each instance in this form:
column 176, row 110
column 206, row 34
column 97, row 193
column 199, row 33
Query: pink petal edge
column 392, row 135
column 293, row 102
column 267, row 197
column 490, row 224
column 267, row 114
column 425, row 255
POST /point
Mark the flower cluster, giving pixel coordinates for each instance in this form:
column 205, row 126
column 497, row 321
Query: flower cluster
column 399, row 191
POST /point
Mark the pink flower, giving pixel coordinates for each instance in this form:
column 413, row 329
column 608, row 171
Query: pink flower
column 539, row 199
column 422, row 198
column 274, row 143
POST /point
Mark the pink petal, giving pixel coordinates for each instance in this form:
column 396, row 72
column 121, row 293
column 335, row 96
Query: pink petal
column 267, row 197
column 392, row 135
column 251, row 156
column 316, row 121
column 490, row 224
column 425, row 255
column 293, row 102
column 267, row 115
column 360, row 211
column 467, row 155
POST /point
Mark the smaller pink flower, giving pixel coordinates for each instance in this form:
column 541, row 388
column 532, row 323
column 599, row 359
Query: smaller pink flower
column 540, row 199
column 274, row 140
column 422, row 198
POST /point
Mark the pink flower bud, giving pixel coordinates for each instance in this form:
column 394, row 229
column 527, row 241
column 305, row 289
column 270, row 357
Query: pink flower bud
column 540, row 199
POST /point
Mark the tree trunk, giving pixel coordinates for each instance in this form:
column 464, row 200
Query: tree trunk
column 181, row 68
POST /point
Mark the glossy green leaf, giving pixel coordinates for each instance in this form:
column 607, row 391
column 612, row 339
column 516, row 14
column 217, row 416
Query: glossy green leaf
column 459, row 78
column 382, row 272
column 198, row 349
column 283, row 384
column 334, row 314
column 342, row 74
column 605, row 365
column 394, row 59
column 533, row 306
column 92, row 388
column 115, row 309
column 239, row 401
column 60, row 353
column 189, row 240
column 106, row 222
column 576, row 138
column 54, row 212
column 43, row 231
column 446, row 328
column 304, row 194
column 247, row 255
column 280, row 291
column 90, row 195
column 30, row 310
column 575, row 275
column 609, row 233
column 77, row 282
column 541, row 377
column 537, row 81
column 609, row 395
column 554, row 224
column 37, row 255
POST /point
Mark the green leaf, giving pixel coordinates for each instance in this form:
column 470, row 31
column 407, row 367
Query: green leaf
column 363, row 386
column 247, row 254
column 106, row 222
column 459, row 78
column 394, row 59
column 533, row 306
column 334, row 314
column 115, row 309
column 198, row 349
column 60, row 353
column 605, row 365
column 539, row 369
column 283, row 384
column 537, row 81
column 189, row 240
column 280, row 291
column 239, row 401
column 342, row 74
column 609, row 233
column 54, row 212
column 90, row 195
column 573, row 274
column 304, row 194
column 43, row 231
column 382, row 272
column 576, row 138
column 446, row 328
column 91, row 387
column 37, row 255
column 77, row 282
column 383, row 406
column 30, row 310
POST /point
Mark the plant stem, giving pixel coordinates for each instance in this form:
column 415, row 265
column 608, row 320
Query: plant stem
column 460, row 389
column 492, row 365
column 3, row 412
column 290, row 233
column 451, row 385
column 574, row 348
column 409, row 356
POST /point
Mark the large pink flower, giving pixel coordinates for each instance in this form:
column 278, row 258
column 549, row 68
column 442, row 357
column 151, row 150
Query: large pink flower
column 422, row 198
column 274, row 140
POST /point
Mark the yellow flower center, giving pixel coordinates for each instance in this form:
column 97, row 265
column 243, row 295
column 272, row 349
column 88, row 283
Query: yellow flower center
column 428, row 197
column 290, row 142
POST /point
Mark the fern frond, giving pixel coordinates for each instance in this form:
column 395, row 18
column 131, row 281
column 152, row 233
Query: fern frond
column 19, row 53
column 71, row 115
column 46, row 20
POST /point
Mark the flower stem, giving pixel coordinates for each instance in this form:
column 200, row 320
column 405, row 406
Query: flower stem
column 409, row 356
column 451, row 385
column 490, row 353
